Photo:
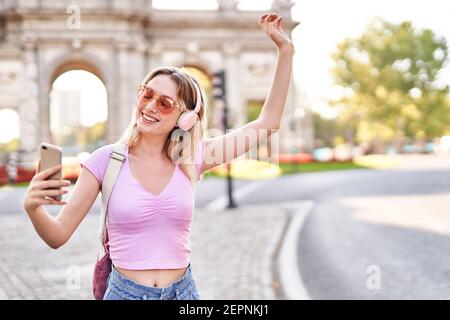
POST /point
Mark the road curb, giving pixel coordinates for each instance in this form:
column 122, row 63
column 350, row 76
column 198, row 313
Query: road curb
column 287, row 268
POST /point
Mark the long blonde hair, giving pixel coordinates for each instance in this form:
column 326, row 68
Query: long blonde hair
column 181, row 145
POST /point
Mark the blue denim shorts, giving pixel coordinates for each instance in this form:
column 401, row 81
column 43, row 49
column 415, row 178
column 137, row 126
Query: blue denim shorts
column 122, row 288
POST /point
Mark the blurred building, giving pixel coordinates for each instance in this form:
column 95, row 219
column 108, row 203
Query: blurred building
column 67, row 111
column 120, row 41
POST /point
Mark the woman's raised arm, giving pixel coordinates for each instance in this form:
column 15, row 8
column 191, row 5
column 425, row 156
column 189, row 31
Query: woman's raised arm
column 224, row 148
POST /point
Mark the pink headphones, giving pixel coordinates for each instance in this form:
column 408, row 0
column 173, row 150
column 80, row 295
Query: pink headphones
column 188, row 118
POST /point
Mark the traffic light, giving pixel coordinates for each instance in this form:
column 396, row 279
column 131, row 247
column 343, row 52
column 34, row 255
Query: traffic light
column 218, row 82
column 219, row 93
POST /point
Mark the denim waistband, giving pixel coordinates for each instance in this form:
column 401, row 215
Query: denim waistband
column 118, row 280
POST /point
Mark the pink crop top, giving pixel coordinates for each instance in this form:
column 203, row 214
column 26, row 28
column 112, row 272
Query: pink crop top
column 147, row 231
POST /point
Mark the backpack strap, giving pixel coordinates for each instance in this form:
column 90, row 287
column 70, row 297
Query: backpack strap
column 116, row 160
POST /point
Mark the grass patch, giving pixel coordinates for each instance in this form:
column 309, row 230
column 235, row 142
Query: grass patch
column 288, row 168
column 19, row 184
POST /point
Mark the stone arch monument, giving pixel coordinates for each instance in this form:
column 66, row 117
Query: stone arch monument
column 120, row 41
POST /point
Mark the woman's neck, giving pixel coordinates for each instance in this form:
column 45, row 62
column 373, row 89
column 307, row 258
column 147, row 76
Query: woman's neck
column 149, row 148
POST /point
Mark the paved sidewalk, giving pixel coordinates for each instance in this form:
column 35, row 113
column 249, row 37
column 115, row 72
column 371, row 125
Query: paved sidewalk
column 233, row 256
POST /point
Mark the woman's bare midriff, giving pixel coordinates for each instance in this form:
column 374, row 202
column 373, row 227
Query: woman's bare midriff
column 154, row 277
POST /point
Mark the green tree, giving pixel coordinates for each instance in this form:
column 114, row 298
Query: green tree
column 90, row 135
column 96, row 132
column 325, row 130
column 389, row 76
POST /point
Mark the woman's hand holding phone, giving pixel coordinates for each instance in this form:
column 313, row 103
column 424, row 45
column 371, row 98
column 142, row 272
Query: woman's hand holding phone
column 38, row 192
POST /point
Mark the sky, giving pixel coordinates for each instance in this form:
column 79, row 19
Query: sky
column 323, row 23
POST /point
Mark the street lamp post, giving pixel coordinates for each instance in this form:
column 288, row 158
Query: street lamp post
column 220, row 93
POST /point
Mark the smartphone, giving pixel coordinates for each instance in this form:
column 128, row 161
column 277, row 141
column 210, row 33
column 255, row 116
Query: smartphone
column 51, row 156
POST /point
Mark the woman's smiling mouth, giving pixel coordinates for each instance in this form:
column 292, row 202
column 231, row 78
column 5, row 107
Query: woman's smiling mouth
column 148, row 119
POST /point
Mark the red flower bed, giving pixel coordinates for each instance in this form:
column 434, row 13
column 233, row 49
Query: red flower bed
column 25, row 174
column 3, row 175
column 294, row 158
column 71, row 171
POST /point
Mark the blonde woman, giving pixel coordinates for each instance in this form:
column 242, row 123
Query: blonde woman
column 151, row 206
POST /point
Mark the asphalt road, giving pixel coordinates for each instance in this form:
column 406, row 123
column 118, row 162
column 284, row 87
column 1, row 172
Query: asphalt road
column 372, row 234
